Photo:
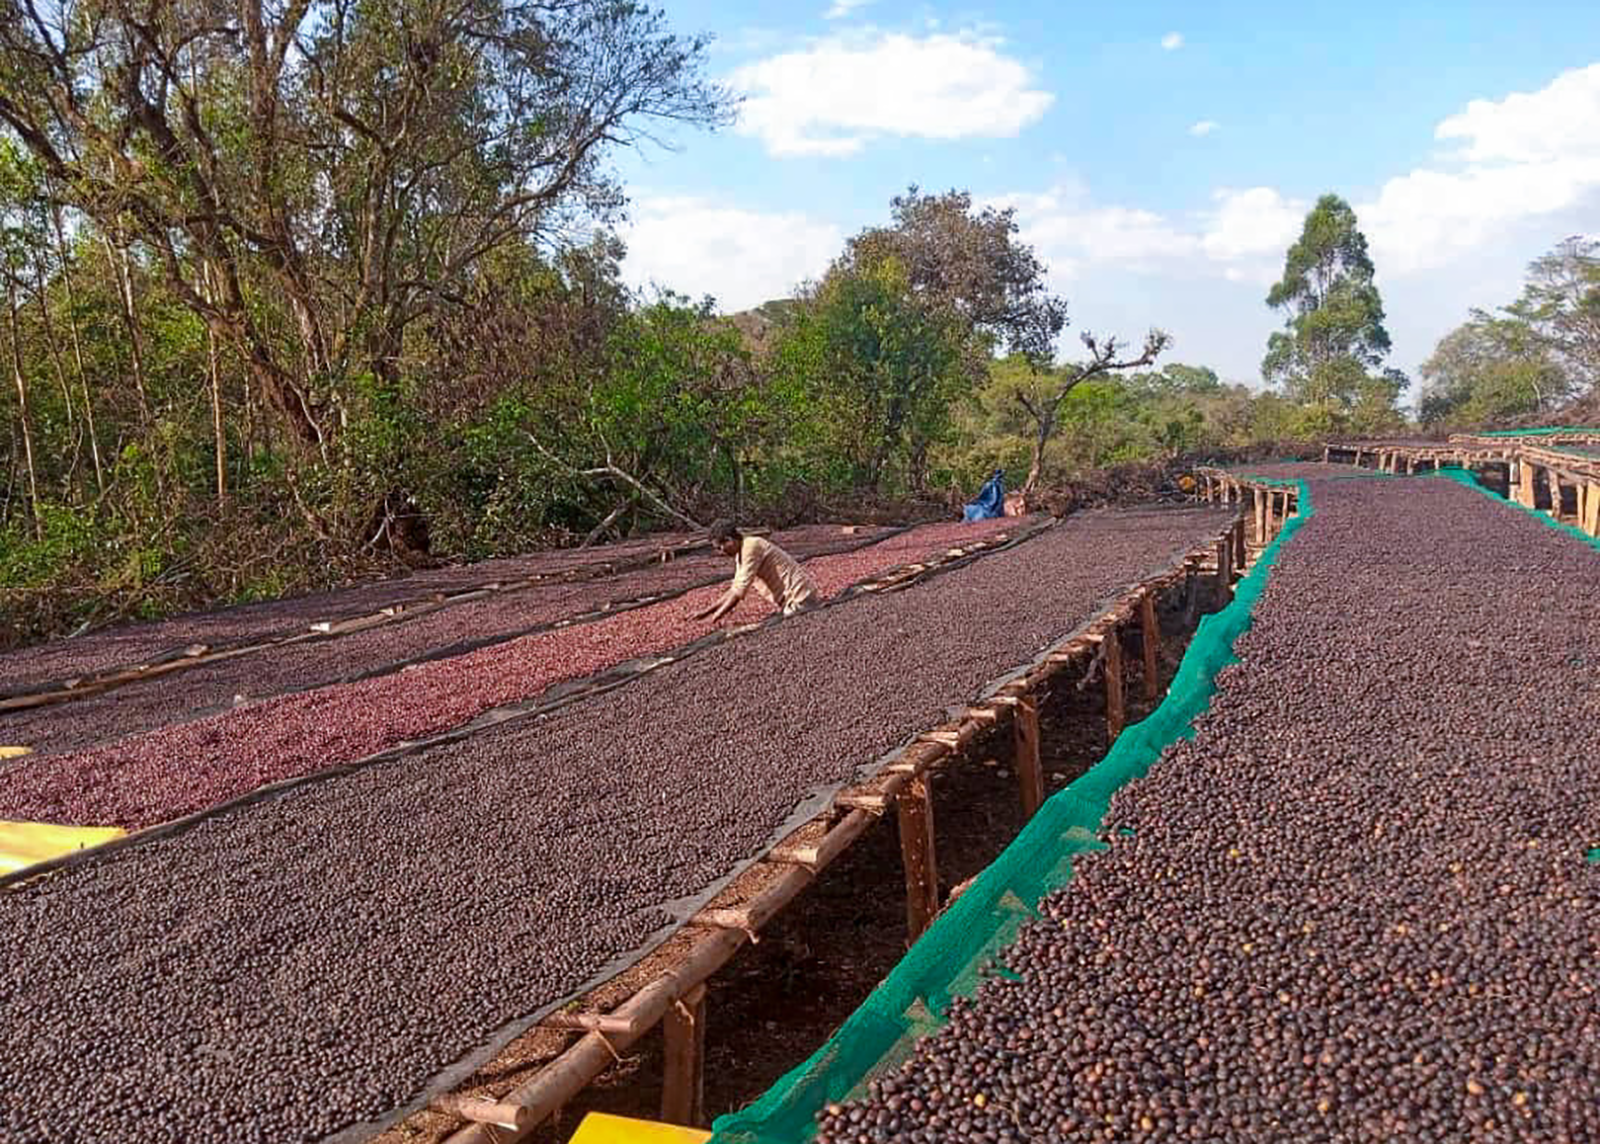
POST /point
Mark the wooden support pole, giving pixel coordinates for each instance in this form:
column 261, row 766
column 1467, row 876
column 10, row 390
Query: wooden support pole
column 1553, row 483
column 1116, row 714
column 1258, row 504
column 683, row 1081
column 1025, row 743
column 1224, row 566
column 915, row 805
column 1150, row 635
column 1239, row 545
column 1592, row 517
column 1325, row 454
column 1525, row 478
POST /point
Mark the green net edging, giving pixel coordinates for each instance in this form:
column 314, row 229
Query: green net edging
column 946, row 962
column 1465, row 477
column 1357, row 475
column 1546, row 431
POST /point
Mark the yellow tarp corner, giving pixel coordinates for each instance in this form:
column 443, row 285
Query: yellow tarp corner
column 24, row 844
column 600, row 1128
column 14, row 752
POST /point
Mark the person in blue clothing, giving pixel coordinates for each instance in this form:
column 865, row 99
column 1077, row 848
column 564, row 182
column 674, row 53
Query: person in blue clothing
column 991, row 499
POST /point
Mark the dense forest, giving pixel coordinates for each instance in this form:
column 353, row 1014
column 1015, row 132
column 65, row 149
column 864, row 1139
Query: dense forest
column 297, row 290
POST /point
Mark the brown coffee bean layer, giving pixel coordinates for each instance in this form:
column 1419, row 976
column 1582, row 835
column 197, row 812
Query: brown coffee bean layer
column 127, row 644
column 1357, row 905
column 290, row 968
column 166, row 699
column 133, row 781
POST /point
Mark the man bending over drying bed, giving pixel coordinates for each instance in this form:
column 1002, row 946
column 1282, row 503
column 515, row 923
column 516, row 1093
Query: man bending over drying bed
column 774, row 573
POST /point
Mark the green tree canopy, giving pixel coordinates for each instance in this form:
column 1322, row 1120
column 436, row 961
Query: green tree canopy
column 317, row 177
column 1489, row 370
column 1560, row 304
column 1333, row 332
column 970, row 266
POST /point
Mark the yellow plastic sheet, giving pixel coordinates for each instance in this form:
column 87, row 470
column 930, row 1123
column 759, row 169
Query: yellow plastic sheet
column 24, row 844
column 600, row 1128
column 14, row 752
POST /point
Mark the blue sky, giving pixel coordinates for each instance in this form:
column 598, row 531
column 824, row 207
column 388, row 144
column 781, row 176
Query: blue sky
column 1160, row 156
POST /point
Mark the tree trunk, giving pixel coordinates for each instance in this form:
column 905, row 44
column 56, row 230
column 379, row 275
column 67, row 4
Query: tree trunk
column 218, row 437
column 130, row 320
column 1045, row 427
column 61, row 374
column 77, row 348
column 22, row 410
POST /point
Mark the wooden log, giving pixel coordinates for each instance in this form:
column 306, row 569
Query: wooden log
column 683, row 1079
column 1025, row 748
column 606, row 1023
column 915, row 805
column 1224, row 566
column 1239, row 544
column 1258, row 505
column 1592, row 517
column 566, row 1076
column 873, row 802
column 481, row 1111
column 832, row 844
column 1116, row 713
column 1553, row 484
column 758, row 911
column 1150, row 636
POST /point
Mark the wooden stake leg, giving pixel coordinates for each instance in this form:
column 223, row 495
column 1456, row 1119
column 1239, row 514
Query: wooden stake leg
column 684, row 1071
column 1116, row 714
column 1150, row 636
column 915, row 806
column 1025, row 740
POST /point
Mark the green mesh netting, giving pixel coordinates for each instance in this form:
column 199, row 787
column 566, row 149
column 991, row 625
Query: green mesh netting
column 1354, row 475
column 945, row 963
column 1546, row 431
column 1466, row 477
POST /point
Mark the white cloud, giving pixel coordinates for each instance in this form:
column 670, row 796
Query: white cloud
column 1242, row 237
column 839, row 94
column 744, row 258
column 843, row 8
column 1172, row 41
column 1070, row 231
column 1556, row 121
column 1254, row 223
column 1203, row 128
column 1528, row 155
